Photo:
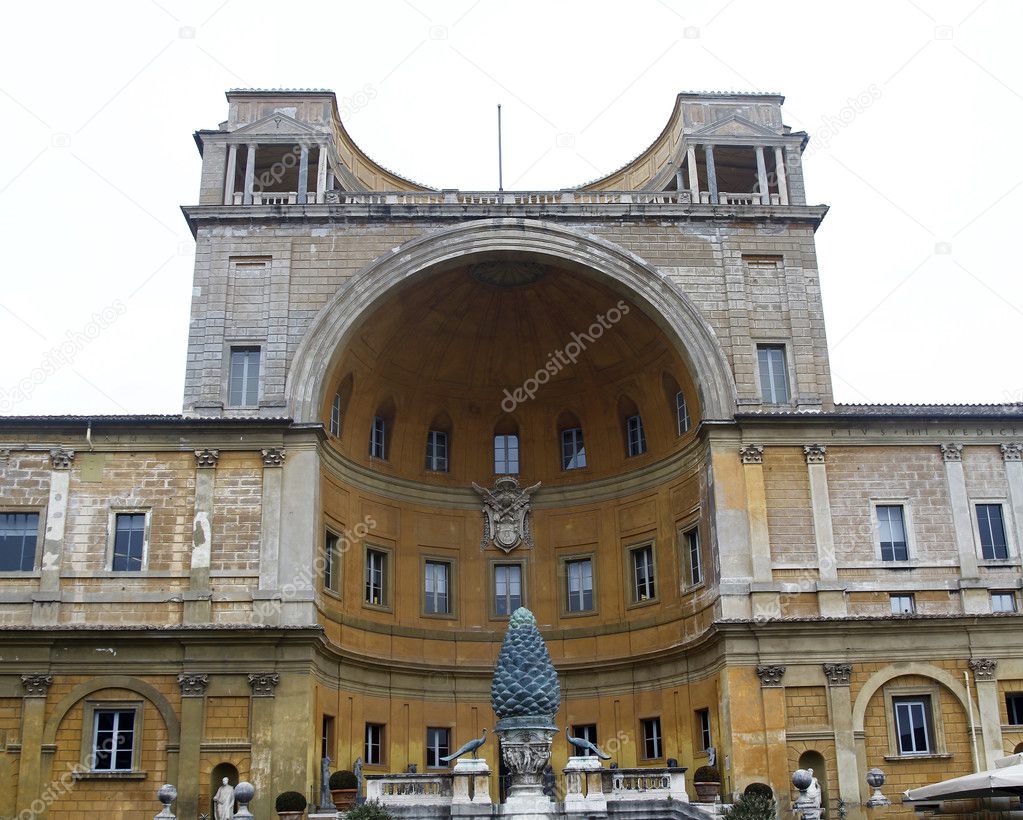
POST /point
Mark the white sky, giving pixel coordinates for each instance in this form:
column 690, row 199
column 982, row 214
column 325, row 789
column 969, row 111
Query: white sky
column 98, row 102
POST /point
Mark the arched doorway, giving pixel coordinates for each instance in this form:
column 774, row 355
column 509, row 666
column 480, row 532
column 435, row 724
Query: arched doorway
column 815, row 760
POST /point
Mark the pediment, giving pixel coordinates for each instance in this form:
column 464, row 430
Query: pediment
column 277, row 123
column 734, row 125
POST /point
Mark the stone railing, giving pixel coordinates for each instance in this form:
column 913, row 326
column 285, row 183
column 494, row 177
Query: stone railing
column 645, row 784
column 507, row 198
column 409, row 789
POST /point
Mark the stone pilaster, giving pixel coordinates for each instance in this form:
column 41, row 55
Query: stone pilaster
column 839, row 676
column 198, row 606
column 1012, row 453
column 732, row 533
column 300, row 507
column 268, row 603
column 46, row 602
column 33, row 721
column 985, row 676
column 193, row 695
column 975, row 599
column 830, row 596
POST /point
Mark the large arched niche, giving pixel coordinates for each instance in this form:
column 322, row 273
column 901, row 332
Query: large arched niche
column 320, row 351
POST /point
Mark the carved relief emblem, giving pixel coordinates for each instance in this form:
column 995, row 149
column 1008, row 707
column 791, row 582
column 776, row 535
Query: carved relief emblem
column 506, row 510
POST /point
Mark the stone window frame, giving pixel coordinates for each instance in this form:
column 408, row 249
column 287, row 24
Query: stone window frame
column 683, row 527
column 1012, row 597
column 333, row 528
column 642, row 720
column 28, row 509
column 931, row 690
column 225, row 375
column 912, row 600
column 790, row 368
column 108, row 559
column 630, row 574
column 388, row 581
column 908, row 522
column 492, row 584
column 89, row 709
column 452, row 564
column 450, row 726
column 1011, row 548
column 563, row 562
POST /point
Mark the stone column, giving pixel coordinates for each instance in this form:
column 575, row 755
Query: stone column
column 266, row 603
column 840, row 708
column 321, row 173
column 694, row 173
column 975, row 598
column 232, row 164
column 678, row 179
column 303, row 173
column 198, row 607
column 1012, row 453
column 986, row 679
column 33, row 721
column 250, row 174
column 193, row 697
column 300, row 528
column 765, row 189
column 261, row 717
column 46, row 602
column 779, row 173
column 830, row 595
column 712, row 177
column 794, row 172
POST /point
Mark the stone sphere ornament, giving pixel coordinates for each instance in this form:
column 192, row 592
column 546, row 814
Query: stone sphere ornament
column 801, row 779
column 167, row 794
column 875, row 778
column 244, row 792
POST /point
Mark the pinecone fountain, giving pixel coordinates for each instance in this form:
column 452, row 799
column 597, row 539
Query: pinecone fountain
column 525, row 694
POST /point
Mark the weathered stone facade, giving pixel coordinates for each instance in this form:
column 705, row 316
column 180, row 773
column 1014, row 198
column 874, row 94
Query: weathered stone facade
column 245, row 652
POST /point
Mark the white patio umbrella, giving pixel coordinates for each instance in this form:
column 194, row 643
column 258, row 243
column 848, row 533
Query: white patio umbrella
column 1005, row 779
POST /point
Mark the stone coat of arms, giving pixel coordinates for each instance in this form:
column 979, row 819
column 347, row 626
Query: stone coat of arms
column 506, row 510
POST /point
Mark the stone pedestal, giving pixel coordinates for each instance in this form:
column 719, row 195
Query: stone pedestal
column 584, row 790
column 323, row 815
column 471, row 781
column 526, row 751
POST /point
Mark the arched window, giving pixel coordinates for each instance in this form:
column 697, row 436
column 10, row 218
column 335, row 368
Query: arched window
column 506, row 447
column 573, row 450
column 438, row 444
column 676, row 404
column 339, row 405
column 380, row 431
column 632, row 427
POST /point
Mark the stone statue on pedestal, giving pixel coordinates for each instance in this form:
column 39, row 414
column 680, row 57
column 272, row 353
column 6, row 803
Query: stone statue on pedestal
column 223, row 801
column 326, row 802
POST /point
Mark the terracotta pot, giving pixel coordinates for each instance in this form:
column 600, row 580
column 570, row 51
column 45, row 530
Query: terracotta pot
column 343, row 798
column 707, row 792
column 291, row 815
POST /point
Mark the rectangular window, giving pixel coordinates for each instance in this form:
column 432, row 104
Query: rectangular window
column 129, row 542
column 378, row 439
column 634, row 435
column 438, row 743
column 903, row 604
column 243, row 382
column 335, row 416
column 327, row 737
column 703, row 721
column 330, row 562
column 506, row 455
column 912, row 724
column 374, row 744
column 573, row 452
column 437, row 581
column 507, row 588
column 586, row 731
column 579, row 581
column 643, row 585
column 1003, row 602
column 1014, row 708
column 18, row 535
column 437, row 451
column 682, row 421
column 774, row 380
column 891, row 522
column 113, row 740
column 376, row 577
column 691, row 556
column 992, row 532
column 651, row 738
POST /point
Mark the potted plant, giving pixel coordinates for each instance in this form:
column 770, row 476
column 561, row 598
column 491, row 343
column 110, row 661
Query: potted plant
column 707, row 782
column 369, row 811
column 343, row 784
column 290, row 805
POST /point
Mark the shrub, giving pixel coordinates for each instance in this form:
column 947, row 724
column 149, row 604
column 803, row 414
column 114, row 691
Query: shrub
column 707, row 774
column 343, row 779
column 368, row 811
column 759, row 789
column 290, row 801
column 752, row 806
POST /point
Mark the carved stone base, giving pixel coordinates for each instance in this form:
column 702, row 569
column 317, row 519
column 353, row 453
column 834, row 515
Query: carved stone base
column 526, row 751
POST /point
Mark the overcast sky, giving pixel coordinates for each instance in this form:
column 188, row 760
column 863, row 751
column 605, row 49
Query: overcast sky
column 918, row 262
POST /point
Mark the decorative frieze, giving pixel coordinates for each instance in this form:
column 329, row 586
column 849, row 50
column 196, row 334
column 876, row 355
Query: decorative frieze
column 838, row 674
column 814, row 453
column 273, row 457
column 770, row 674
column 61, row 458
column 984, row 668
column 752, row 453
column 263, row 684
column 951, row 451
column 193, row 686
column 1013, row 451
column 36, row 686
column 207, row 457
